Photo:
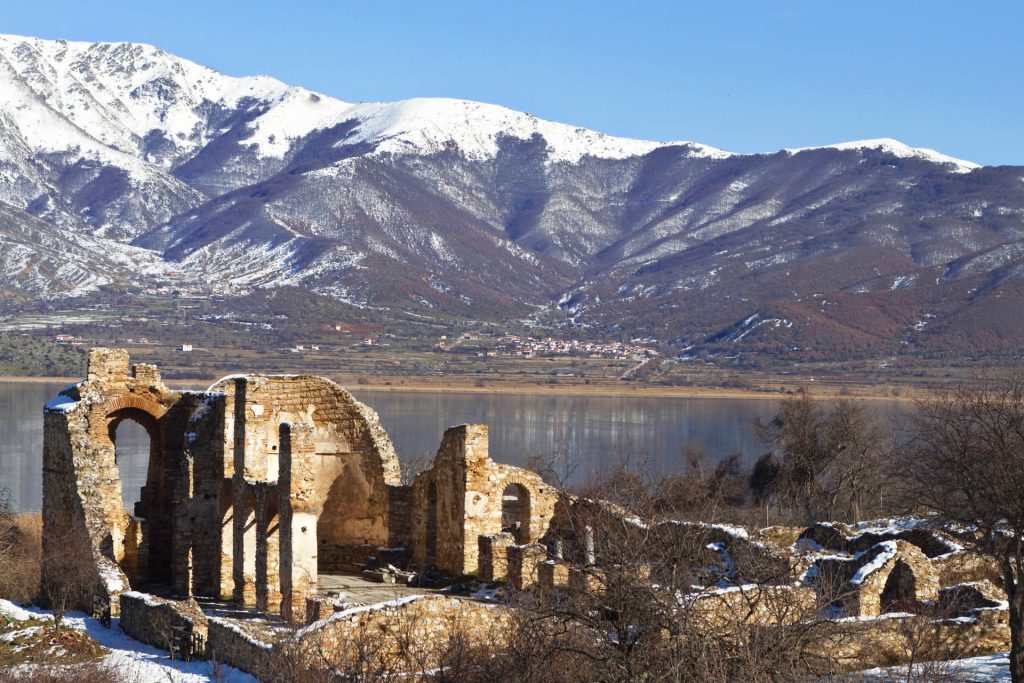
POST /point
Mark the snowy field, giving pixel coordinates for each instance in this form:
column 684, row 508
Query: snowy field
column 140, row 663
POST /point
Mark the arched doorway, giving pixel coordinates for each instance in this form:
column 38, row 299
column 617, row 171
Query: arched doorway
column 132, row 453
column 138, row 452
column 515, row 512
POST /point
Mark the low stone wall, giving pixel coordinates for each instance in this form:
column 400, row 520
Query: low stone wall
column 175, row 625
column 493, row 557
column 856, row 644
column 404, row 636
column 751, row 605
column 229, row 643
column 553, row 574
column 964, row 566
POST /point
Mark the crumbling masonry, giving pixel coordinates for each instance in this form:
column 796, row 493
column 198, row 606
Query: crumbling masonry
column 254, row 486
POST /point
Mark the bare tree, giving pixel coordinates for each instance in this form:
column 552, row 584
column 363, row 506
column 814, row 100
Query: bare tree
column 965, row 461
column 826, row 461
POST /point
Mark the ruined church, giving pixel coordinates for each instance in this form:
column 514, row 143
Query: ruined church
column 256, row 485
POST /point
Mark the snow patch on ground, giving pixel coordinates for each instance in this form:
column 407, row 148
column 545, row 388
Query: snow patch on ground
column 993, row 668
column 138, row 661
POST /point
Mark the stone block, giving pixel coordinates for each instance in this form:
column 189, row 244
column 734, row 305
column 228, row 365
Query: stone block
column 522, row 564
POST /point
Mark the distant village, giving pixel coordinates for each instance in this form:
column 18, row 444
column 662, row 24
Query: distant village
column 528, row 347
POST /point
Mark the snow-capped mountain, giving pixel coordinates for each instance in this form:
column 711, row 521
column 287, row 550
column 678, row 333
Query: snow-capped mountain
column 136, row 163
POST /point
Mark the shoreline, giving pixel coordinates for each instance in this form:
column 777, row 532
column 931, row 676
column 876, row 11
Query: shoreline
column 417, row 385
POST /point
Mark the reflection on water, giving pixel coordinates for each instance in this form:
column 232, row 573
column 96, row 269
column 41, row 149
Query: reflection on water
column 590, row 431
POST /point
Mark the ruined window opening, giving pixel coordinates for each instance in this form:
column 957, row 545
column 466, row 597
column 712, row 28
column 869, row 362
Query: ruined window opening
column 515, row 512
column 431, row 522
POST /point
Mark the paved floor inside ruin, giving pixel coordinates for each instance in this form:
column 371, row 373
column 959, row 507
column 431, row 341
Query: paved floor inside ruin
column 357, row 590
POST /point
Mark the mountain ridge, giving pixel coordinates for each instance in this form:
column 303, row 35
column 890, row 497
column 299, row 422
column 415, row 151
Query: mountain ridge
column 459, row 208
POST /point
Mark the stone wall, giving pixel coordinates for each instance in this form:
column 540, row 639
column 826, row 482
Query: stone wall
column 857, row 644
column 178, row 626
column 230, row 643
column 82, row 506
column 462, row 498
column 406, row 634
column 751, row 605
column 493, row 557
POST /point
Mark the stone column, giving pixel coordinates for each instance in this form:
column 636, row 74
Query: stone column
column 300, row 511
column 268, row 587
column 244, row 544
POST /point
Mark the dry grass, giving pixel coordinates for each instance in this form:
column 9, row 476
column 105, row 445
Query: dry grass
column 93, row 672
column 20, row 555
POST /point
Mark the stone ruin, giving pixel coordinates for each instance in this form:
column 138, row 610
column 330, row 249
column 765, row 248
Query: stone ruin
column 259, row 484
column 254, row 486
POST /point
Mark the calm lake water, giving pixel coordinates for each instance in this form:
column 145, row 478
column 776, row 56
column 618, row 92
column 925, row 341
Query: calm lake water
column 591, row 431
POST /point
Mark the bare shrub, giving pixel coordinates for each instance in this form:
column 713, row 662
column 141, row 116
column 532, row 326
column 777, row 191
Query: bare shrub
column 20, row 553
column 89, row 672
column 69, row 580
column 387, row 645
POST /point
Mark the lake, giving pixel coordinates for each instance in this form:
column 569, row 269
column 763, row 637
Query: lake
column 591, row 432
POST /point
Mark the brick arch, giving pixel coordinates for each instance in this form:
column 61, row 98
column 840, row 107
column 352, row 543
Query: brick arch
column 133, row 402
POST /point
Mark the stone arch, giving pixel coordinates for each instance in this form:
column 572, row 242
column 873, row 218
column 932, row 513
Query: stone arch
column 133, row 402
column 892, row 575
column 150, row 519
column 515, row 511
column 533, row 501
column 899, row 594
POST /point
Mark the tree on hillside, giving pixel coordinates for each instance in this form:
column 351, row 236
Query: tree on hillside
column 965, row 462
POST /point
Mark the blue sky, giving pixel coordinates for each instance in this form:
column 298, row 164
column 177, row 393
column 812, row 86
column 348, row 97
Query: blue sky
column 744, row 76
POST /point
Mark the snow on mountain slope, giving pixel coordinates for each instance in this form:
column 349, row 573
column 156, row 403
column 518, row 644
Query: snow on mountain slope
column 117, row 94
column 430, row 125
column 898, row 149
column 471, row 208
column 120, row 94
column 39, row 259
